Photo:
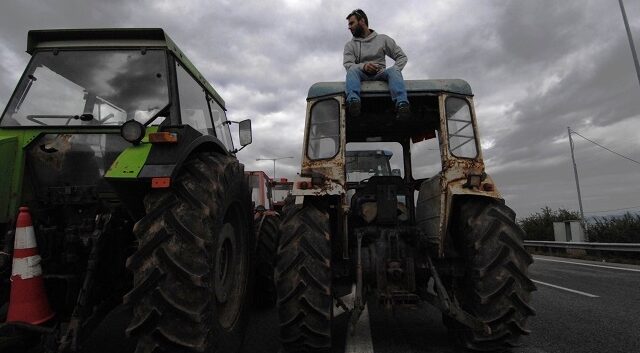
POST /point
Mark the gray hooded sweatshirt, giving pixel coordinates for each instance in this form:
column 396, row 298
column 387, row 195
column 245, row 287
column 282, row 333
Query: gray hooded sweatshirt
column 373, row 48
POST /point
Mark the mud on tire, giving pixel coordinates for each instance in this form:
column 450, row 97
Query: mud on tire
column 496, row 287
column 191, row 268
column 267, row 245
column 303, row 280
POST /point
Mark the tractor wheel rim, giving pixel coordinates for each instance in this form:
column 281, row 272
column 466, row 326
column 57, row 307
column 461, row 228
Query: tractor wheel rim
column 225, row 263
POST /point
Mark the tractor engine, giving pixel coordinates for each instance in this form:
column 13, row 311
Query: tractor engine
column 83, row 234
column 388, row 246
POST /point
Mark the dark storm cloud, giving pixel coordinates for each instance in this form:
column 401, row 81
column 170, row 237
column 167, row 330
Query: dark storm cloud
column 535, row 67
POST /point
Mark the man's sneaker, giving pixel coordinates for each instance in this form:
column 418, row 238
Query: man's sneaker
column 354, row 108
column 403, row 111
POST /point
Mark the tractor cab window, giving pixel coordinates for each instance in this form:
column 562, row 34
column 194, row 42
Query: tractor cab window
column 425, row 156
column 89, row 88
column 324, row 130
column 367, row 159
column 374, row 171
column 220, row 124
column 194, row 109
column 462, row 139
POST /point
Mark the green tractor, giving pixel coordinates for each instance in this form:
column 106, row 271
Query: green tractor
column 123, row 154
column 403, row 210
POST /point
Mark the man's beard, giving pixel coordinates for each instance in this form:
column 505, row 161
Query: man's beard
column 358, row 31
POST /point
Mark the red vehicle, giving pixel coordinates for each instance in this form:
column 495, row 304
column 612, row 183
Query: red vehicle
column 266, row 223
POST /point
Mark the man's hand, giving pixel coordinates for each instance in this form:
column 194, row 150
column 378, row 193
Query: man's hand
column 371, row 68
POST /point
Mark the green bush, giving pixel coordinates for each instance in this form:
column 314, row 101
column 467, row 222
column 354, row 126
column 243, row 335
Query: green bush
column 624, row 229
column 539, row 226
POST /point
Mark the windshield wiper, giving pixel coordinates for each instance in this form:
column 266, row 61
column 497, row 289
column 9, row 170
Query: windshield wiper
column 36, row 118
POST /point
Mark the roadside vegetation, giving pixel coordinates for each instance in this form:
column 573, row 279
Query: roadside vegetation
column 621, row 229
column 611, row 229
column 539, row 226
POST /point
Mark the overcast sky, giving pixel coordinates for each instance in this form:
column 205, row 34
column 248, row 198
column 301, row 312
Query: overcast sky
column 535, row 67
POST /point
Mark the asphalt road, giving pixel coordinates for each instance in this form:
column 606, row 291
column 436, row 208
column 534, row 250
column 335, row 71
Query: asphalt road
column 582, row 306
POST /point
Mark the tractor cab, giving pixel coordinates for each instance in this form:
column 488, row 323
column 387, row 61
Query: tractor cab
column 383, row 162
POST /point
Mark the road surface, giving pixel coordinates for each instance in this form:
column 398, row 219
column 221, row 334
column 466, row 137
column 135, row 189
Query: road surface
column 582, row 306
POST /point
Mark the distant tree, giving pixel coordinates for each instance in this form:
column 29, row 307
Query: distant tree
column 539, row 226
column 621, row 229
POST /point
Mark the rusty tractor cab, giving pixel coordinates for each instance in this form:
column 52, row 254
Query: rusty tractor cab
column 266, row 221
column 405, row 211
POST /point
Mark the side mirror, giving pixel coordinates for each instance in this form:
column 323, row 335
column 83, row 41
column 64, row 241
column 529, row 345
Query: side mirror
column 396, row 172
column 245, row 132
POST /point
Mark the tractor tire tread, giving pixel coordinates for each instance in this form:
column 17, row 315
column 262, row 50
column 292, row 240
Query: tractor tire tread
column 303, row 278
column 497, row 287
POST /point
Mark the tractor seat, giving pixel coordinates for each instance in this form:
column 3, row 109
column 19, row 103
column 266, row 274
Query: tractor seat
column 377, row 200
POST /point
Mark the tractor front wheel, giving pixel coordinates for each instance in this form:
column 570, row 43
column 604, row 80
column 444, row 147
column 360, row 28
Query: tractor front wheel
column 191, row 269
column 303, row 280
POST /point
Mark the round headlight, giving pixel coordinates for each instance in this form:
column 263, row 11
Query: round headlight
column 132, row 131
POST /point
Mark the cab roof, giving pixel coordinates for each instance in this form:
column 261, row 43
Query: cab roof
column 457, row 86
column 114, row 38
column 369, row 153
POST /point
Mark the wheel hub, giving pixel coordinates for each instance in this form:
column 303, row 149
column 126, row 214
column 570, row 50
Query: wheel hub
column 225, row 263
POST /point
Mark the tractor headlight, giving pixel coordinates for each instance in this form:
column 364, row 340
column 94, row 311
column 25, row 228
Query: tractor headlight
column 132, row 131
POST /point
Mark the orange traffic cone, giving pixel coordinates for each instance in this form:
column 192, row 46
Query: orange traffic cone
column 28, row 301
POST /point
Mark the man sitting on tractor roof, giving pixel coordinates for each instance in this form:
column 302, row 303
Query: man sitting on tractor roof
column 364, row 59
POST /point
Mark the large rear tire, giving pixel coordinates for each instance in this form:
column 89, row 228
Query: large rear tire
column 496, row 287
column 191, row 269
column 303, row 278
column 266, row 249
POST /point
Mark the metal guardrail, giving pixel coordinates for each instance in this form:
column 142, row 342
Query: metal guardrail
column 627, row 247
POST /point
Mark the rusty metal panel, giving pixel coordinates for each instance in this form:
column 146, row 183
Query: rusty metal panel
column 456, row 172
column 429, row 208
column 303, row 186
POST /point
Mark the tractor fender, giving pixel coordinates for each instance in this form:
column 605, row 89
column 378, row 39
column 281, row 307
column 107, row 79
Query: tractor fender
column 206, row 143
column 436, row 201
column 457, row 192
column 165, row 160
column 158, row 161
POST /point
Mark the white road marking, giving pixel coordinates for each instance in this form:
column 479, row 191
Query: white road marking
column 568, row 290
column 360, row 342
column 584, row 264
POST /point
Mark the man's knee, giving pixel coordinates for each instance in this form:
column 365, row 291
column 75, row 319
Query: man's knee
column 354, row 71
column 393, row 71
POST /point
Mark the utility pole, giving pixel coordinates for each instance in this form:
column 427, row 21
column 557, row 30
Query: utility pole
column 575, row 171
column 633, row 47
column 274, row 163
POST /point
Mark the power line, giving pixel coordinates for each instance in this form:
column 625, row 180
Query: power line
column 618, row 209
column 608, row 149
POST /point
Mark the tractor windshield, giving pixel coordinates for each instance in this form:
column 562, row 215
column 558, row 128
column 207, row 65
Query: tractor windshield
column 365, row 160
column 89, row 88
